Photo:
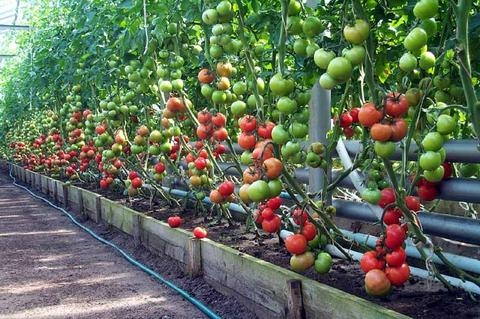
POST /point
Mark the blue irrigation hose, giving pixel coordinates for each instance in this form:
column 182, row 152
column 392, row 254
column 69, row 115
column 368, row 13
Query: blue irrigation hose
column 197, row 303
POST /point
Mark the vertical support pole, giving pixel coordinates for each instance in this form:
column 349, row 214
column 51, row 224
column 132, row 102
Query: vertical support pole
column 295, row 308
column 136, row 230
column 65, row 195
column 83, row 212
column 319, row 125
column 193, row 255
column 98, row 209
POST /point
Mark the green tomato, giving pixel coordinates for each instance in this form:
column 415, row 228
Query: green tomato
column 238, row 108
column 435, row 175
column 323, row 57
column 280, row 135
column 425, row 9
column 210, row 16
column 286, row 105
column 356, row 55
column 323, row 263
column 468, row 169
column 446, row 124
column 415, row 39
column 327, row 82
column 312, row 26
column 430, row 160
column 430, row 26
column 300, row 46
column 433, row 141
column 427, row 60
column 340, row 69
column 219, row 97
column 408, row 62
column 298, row 130
column 258, row 191
column 357, row 33
column 246, row 158
column 275, row 187
column 239, row 88
column 290, row 149
column 384, row 149
column 372, row 196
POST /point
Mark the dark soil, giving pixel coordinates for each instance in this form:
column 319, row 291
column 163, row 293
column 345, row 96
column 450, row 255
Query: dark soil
column 419, row 298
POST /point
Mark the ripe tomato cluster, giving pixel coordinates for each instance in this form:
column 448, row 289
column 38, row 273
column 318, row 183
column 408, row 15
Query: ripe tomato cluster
column 388, row 261
column 266, row 215
column 348, row 120
column 224, row 193
column 211, row 126
column 385, row 126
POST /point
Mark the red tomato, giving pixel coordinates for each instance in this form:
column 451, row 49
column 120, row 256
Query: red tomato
column 299, row 216
column 220, row 134
column 204, row 117
column 296, row 244
column 447, row 170
column 427, row 193
column 132, row 175
column 226, row 188
column 247, row 141
column 309, row 230
column 354, row 114
column 273, row 167
column 265, row 130
column 398, row 275
column 392, row 216
column 219, row 120
column 274, row 203
column 159, row 168
column 137, row 182
column 412, row 203
column 388, row 197
column 348, row 131
column 369, row 115
column 377, row 283
column 395, row 235
column 396, row 258
column 248, row 123
column 346, row 119
column 272, row 225
column 200, row 163
column 267, row 213
column 174, row 221
column 396, row 104
column 370, row 261
column 200, row 232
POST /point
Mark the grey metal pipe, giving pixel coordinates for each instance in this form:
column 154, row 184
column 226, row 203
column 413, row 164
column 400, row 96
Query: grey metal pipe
column 457, row 228
column 458, row 151
column 461, row 151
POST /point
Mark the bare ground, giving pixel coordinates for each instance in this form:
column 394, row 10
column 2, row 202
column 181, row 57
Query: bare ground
column 51, row 269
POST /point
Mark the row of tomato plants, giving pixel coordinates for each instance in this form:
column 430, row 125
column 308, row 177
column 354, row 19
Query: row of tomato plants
column 175, row 111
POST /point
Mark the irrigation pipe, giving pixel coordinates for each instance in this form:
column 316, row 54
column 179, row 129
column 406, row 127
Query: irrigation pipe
column 418, row 272
column 198, row 304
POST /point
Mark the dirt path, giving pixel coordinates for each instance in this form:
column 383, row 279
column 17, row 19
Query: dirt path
column 51, row 269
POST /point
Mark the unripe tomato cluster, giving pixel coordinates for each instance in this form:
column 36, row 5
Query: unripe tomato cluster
column 339, row 69
column 416, row 40
column 315, row 155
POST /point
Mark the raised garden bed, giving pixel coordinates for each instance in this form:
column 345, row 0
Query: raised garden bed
column 271, row 291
